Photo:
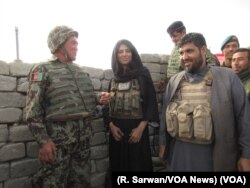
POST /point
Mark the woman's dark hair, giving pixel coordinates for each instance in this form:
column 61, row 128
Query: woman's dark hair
column 135, row 63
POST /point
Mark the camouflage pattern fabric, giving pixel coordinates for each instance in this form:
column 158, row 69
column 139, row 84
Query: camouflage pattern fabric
column 46, row 85
column 174, row 63
column 212, row 59
column 125, row 100
column 247, row 88
column 58, row 36
column 71, row 167
column 35, row 104
column 245, row 78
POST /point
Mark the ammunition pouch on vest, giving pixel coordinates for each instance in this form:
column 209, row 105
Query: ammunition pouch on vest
column 69, row 92
column 125, row 100
column 189, row 118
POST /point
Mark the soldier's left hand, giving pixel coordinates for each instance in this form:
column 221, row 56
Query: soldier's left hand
column 47, row 152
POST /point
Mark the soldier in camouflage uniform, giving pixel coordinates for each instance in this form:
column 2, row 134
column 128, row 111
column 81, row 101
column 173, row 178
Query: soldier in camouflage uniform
column 176, row 31
column 241, row 66
column 60, row 102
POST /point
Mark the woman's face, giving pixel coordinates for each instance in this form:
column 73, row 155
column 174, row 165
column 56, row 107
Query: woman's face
column 124, row 55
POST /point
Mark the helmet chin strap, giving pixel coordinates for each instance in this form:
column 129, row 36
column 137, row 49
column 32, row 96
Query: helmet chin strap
column 66, row 55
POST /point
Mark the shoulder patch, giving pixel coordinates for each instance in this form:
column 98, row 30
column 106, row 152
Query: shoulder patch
column 37, row 71
column 37, row 76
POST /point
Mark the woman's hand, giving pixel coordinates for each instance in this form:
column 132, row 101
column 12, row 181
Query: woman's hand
column 136, row 134
column 116, row 132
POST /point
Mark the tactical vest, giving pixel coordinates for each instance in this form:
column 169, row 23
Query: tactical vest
column 126, row 101
column 188, row 115
column 69, row 92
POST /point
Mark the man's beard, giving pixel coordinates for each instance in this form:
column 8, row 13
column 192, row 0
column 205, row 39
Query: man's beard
column 195, row 66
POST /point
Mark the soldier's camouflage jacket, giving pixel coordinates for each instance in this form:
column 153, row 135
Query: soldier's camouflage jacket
column 245, row 78
column 58, row 94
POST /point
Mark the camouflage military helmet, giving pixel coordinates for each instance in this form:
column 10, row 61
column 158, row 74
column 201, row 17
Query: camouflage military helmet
column 58, row 36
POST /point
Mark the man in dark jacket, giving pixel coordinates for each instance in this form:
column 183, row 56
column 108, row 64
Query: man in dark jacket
column 205, row 115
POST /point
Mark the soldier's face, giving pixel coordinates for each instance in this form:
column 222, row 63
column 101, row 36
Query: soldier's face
column 240, row 62
column 71, row 46
column 229, row 49
column 192, row 58
column 176, row 36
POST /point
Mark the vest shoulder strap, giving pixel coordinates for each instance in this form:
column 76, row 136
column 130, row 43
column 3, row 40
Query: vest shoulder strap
column 209, row 78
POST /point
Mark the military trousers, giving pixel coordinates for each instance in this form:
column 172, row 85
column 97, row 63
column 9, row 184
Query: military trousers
column 72, row 167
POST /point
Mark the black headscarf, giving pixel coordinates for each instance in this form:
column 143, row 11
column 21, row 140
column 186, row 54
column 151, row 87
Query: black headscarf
column 136, row 70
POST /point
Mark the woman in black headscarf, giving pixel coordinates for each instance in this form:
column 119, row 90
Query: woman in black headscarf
column 133, row 105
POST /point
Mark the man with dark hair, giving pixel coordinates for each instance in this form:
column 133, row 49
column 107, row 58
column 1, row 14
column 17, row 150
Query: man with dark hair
column 176, row 31
column 205, row 124
column 241, row 66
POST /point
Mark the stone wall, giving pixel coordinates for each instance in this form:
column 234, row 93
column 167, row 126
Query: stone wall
column 18, row 149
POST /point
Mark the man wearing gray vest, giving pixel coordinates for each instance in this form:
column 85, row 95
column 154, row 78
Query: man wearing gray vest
column 60, row 106
column 205, row 124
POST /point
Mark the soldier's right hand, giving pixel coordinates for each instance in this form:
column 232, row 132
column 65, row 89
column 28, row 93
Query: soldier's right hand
column 104, row 98
column 47, row 152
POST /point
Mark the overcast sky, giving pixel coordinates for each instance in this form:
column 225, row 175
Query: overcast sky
column 101, row 23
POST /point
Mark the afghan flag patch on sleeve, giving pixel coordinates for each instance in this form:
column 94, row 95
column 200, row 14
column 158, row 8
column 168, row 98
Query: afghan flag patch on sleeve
column 37, row 76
